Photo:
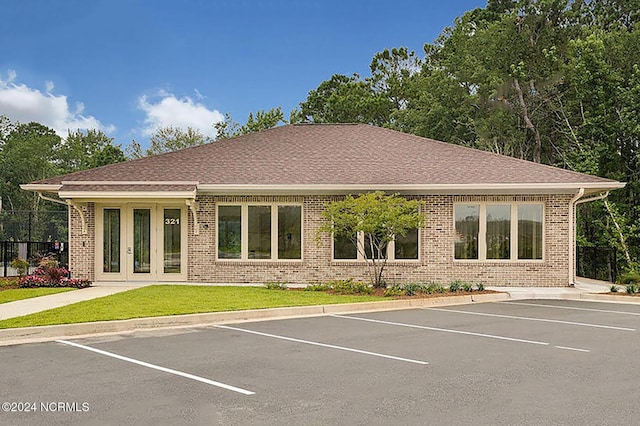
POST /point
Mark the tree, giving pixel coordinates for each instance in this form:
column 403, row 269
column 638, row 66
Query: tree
column 346, row 99
column 86, row 150
column 261, row 120
column 372, row 219
column 168, row 139
column 28, row 154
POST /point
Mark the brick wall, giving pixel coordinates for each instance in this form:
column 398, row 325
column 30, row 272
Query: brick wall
column 436, row 261
column 82, row 248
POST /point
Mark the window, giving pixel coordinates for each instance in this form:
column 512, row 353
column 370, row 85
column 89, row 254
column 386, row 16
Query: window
column 467, row 219
column 498, row 231
column 229, row 232
column 289, row 232
column 111, row 240
column 260, row 232
column 530, row 231
column 498, row 235
column 402, row 248
column 172, row 240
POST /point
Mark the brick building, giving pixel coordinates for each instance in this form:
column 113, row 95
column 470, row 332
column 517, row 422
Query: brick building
column 247, row 210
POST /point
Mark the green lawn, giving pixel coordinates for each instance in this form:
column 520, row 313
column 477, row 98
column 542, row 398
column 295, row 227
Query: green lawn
column 27, row 293
column 160, row 300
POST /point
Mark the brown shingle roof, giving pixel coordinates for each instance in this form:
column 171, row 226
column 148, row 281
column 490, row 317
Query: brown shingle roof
column 330, row 154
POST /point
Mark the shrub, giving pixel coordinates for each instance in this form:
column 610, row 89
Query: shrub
column 317, row 287
column 50, row 274
column 20, row 265
column 8, row 282
column 613, row 288
column 629, row 278
column 350, row 287
column 480, row 287
column 275, row 285
column 394, row 290
column 411, row 289
column 632, row 289
column 455, row 286
column 468, row 287
column 435, row 288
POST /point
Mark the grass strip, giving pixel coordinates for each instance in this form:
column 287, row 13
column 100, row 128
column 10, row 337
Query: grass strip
column 164, row 300
column 11, row 295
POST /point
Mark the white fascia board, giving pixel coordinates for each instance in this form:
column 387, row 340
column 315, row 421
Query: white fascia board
column 99, row 195
column 40, row 187
column 409, row 189
column 128, row 182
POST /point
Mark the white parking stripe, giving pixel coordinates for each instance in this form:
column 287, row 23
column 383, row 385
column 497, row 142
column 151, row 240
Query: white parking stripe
column 324, row 345
column 572, row 349
column 571, row 307
column 446, row 330
column 610, row 327
column 159, row 368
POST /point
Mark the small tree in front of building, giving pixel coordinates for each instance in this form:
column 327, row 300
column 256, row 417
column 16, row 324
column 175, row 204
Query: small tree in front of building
column 371, row 221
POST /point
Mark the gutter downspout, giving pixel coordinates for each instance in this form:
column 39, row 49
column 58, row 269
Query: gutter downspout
column 572, row 236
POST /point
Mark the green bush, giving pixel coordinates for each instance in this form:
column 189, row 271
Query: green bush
column 317, row 287
column 8, row 282
column 350, row 287
column 632, row 289
column 275, row 285
column 480, row 287
column 468, row 287
column 613, row 288
column 436, row 288
column 455, row 286
column 20, row 265
column 411, row 289
column 629, row 278
column 394, row 290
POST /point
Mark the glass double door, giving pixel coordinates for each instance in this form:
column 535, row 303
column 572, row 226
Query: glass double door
column 143, row 243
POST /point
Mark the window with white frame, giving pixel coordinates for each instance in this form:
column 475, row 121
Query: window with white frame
column 259, row 231
column 498, row 231
column 401, row 248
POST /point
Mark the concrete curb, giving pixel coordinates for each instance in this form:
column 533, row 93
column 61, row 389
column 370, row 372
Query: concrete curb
column 633, row 300
column 16, row 336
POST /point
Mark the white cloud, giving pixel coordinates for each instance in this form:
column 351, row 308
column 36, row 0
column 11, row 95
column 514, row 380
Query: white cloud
column 168, row 110
column 22, row 103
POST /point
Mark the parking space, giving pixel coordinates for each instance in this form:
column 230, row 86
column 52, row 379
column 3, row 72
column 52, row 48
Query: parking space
column 525, row 362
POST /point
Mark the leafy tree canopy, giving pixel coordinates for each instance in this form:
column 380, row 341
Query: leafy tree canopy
column 376, row 216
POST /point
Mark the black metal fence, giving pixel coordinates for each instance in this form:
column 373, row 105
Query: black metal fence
column 33, row 225
column 598, row 263
column 30, row 250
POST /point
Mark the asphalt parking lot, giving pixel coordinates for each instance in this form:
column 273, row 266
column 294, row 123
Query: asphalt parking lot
column 551, row 362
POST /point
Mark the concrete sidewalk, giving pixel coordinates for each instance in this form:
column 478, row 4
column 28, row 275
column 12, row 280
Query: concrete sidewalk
column 44, row 303
column 583, row 286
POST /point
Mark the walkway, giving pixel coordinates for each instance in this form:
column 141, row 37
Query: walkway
column 44, row 303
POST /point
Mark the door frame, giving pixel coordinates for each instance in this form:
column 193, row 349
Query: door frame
column 126, row 242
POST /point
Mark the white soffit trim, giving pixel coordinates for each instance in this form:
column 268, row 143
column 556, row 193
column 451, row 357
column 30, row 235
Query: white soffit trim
column 467, row 189
column 126, row 194
column 40, row 187
column 129, row 182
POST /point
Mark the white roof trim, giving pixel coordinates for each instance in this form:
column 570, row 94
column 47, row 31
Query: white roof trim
column 128, row 182
column 126, row 194
column 499, row 188
column 319, row 189
column 40, row 187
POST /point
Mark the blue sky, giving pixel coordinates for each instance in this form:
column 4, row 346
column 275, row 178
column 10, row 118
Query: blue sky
column 129, row 66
